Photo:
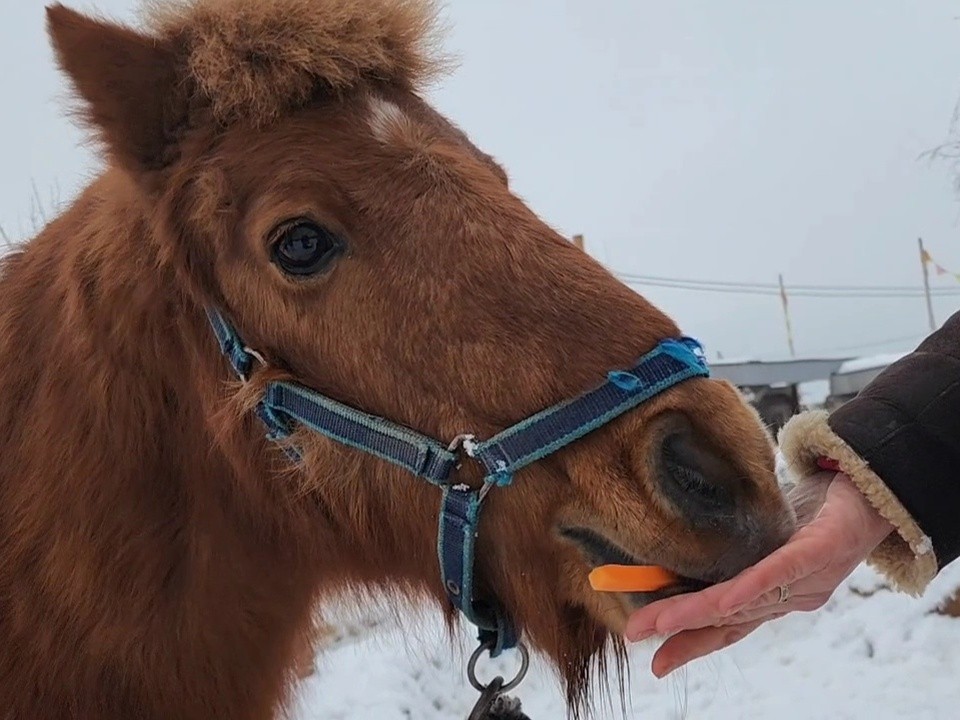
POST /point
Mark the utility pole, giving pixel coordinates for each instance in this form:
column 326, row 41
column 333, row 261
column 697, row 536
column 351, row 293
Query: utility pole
column 924, row 261
column 786, row 317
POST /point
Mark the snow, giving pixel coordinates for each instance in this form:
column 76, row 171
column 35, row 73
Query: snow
column 870, row 653
column 813, row 394
column 871, row 362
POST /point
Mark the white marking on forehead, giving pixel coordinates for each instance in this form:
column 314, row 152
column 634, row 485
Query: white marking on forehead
column 387, row 120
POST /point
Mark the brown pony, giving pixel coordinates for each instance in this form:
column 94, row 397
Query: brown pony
column 159, row 557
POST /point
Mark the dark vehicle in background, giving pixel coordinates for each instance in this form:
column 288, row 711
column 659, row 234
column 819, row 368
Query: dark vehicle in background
column 777, row 388
column 782, row 388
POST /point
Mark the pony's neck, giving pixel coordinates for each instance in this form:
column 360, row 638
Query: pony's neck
column 113, row 489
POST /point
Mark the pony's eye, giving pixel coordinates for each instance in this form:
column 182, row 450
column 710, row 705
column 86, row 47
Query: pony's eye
column 302, row 247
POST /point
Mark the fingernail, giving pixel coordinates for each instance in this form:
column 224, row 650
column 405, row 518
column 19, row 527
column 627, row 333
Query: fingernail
column 638, row 632
column 664, row 671
column 640, row 635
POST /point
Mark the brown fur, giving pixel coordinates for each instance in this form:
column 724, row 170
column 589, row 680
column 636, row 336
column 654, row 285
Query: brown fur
column 159, row 558
column 256, row 59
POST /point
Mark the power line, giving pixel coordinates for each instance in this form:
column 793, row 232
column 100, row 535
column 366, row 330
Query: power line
column 908, row 338
column 775, row 286
column 791, row 292
column 680, row 286
column 773, row 290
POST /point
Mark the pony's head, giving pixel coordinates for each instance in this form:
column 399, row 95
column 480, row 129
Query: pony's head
column 292, row 175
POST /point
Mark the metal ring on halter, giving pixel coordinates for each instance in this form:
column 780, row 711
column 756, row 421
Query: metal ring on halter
column 784, row 594
column 257, row 356
column 465, row 441
column 486, row 647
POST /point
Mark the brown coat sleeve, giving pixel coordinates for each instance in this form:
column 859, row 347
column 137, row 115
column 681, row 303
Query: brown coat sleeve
column 899, row 440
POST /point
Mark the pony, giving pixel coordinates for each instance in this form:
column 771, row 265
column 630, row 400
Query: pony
column 160, row 556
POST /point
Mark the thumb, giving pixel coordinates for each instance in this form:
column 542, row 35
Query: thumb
column 808, row 496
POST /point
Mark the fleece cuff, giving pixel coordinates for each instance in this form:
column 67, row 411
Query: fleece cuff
column 906, row 556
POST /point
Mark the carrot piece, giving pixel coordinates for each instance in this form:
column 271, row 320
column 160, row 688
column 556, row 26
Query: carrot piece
column 631, row 578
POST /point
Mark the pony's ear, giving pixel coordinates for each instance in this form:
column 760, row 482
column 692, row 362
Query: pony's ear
column 127, row 82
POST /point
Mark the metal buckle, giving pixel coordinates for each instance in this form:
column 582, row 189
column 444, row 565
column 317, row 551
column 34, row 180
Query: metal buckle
column 466, row 444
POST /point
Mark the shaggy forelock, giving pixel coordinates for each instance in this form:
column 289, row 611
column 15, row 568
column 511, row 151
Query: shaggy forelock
column 256, row 59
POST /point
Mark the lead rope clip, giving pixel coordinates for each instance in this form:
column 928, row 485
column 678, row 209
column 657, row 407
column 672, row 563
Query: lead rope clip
column 494, row 703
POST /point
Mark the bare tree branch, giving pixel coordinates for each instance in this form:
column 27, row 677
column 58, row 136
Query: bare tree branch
column 949, row 151
column 41, row 212
column 37, row 219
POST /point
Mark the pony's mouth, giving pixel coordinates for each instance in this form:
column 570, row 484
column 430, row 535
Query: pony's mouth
column 599, row 550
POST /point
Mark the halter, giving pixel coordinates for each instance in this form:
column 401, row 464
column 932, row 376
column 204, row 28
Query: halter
column 286, row 405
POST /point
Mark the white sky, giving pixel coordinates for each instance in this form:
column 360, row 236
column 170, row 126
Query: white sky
column 695, row 139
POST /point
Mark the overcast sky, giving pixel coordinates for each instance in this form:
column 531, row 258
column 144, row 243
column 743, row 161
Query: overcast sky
column 709, row 140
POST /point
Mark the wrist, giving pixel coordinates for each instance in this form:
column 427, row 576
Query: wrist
column 875, row 525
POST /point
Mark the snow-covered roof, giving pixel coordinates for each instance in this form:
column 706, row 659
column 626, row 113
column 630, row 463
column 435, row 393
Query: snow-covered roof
column 735, row 360
column 871, row 362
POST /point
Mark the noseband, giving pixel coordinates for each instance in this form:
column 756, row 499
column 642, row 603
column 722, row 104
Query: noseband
column 286, row 406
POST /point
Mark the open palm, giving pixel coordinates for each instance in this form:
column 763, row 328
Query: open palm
column 812, row 564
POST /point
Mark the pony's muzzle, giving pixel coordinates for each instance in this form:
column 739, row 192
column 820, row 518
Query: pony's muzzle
column 717, row 499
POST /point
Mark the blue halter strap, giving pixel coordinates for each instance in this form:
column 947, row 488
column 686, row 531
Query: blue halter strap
column 286, row 405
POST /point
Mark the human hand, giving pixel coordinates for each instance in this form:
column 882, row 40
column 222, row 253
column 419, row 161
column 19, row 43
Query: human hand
column 811, row 565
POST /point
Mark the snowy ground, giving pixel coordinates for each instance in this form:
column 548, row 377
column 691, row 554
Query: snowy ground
column 870, row 653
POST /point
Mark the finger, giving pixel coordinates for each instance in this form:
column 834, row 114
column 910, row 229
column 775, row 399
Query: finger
column 772, row 598
column 754, row 587
column 681, row 611
column 692, row 644
column 806, row 498
column 702, row 609
column 799, row 594
column 799, row 603
column 796, row 560
column 693, row 611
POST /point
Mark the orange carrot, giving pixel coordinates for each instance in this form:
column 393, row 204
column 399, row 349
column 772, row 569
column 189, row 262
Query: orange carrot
column 631, row 578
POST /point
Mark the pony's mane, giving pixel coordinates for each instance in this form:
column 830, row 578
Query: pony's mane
column 256, row 59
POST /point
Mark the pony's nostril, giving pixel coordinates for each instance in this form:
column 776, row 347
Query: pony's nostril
column 692, row 472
